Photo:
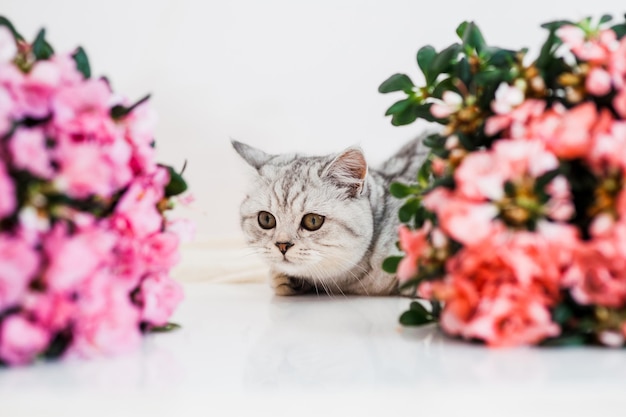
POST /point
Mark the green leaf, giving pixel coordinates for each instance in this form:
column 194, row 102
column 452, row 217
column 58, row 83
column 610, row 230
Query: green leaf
column 605, row 18
column 168, row 327
column 397, row 82
column 556, row 24
column 82, row 62
column 419, row 308
column 548, row 49
column 443, row 62
column 425, row 58
column 435, row 141
column 422, row 111
column 415, row 318
column 471, row 36
column 6, row 22
column 408, row 209
column 425, row 172
column 400, row 190
column 41, row 48
column 177, row 184
column 119, row 111
column 405, row 117
column 390, row 264
column 446, row 182
column 444, row 85
column 490, row 76
column 463, row 71
column 500, row 57
column 565, row 340
column 619, row 29
column 399, row 106
column 561, row 314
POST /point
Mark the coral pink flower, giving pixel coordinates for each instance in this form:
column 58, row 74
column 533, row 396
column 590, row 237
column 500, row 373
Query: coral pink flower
column 8, row 202
column 513, row 317
column 413, row 243
column 17, row 269
column 21, row 340
column 28, row 148
column 507, row 98
column 466, row 221
column 500, row 290
column 516, row 120
column 598, row 274
column 480, row 177
column 560, row 206
column 160, row 295
column 572, row 138
column 598, row 82
column 451, row 103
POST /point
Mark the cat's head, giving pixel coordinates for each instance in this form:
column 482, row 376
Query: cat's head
column 309, row 217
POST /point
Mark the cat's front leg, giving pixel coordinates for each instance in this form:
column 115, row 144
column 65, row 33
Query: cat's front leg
column 286, row 285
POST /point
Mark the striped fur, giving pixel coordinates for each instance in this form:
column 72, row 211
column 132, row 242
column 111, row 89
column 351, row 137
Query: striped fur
column 345, row 255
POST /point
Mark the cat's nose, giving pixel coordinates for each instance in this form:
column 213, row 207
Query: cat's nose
column 283, row 247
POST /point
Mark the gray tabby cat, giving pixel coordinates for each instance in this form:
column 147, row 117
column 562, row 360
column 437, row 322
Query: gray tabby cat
column 326, row 222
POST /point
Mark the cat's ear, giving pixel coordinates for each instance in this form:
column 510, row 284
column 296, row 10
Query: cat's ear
column 348, row 170
column 256, row 158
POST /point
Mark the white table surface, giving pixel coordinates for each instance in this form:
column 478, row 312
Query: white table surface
column 243, row 351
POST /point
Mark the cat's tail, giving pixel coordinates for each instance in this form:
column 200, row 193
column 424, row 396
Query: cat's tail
column 405, row 163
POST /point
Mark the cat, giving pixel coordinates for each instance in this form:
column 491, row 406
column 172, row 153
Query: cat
column 326, row 223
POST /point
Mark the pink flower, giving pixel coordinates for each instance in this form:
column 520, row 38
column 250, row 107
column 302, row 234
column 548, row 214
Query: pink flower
column 8, row 47
column 106, row 322
column 28, row 147
column 8, row 201
column 161, row 251
column 19, row 263
column 7, row 108
column 185, row 229
column 413, row 243
column 137, row 209
column 598, row 82
column 53, row 311
column 21, row 340
column 91, row 169
column 160, row 295
column 72, row 258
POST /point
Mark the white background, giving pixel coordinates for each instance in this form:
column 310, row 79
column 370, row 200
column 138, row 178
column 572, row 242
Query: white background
column 281, row 75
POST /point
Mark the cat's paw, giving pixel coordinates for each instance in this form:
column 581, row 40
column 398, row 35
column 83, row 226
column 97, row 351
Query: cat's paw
column 285, row 285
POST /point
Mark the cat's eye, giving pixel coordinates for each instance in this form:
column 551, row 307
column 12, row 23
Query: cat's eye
column 312, row 221
column 267, row 220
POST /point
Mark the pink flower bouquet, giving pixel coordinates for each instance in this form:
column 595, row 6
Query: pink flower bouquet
column 85, row 248
column 516, row 227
